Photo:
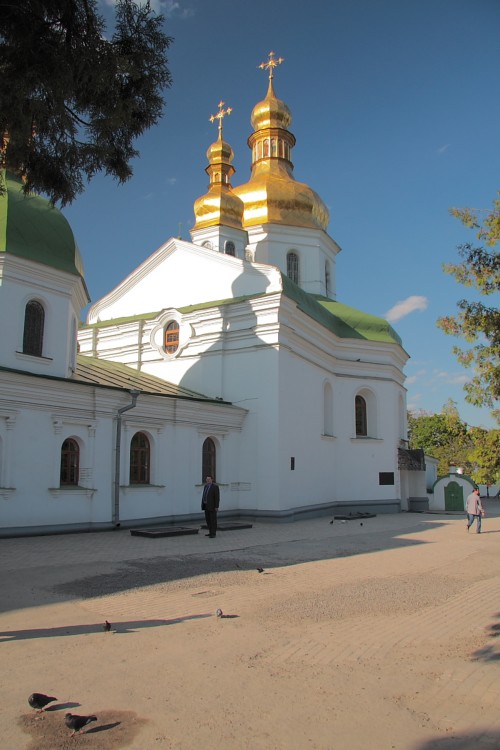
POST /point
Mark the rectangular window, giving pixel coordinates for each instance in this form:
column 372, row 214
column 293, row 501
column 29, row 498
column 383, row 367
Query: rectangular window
column 386, row 477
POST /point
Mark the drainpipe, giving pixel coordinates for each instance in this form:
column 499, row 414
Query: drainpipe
column 116, row 487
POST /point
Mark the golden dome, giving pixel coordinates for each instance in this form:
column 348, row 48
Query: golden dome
column 220, row 206
column 271, row 112
column 220, row 151
column 272, row 195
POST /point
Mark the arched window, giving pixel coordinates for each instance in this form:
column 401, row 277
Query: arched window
column 34, row 320
column 292, row 266
column 327, row 410
column 327, row 278
column 172, row 337
column 208, row 460
column 230, row 248
column 139, row 459
column 70, row 462
column 361, row 423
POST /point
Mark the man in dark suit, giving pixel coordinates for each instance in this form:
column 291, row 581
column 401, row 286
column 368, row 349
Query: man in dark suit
column 210, row 504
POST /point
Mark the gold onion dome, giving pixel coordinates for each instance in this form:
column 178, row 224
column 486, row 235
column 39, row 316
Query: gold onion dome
column 272, row 195
column 220, row 206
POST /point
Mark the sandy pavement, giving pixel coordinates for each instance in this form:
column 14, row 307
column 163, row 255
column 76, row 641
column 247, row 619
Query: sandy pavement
column 381, row 636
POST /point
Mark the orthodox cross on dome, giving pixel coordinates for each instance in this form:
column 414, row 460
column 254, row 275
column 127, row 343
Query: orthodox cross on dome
column 271, row 64
column 220, row 115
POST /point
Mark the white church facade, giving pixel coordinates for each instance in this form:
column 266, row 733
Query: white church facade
column 226, row 355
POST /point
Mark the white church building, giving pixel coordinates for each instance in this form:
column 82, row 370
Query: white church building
column 228, row 355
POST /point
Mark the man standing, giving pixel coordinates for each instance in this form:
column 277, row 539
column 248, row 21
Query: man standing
column 474, row 509
column 210, row 504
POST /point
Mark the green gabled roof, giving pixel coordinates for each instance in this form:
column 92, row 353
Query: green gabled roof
column 344, row 321
column 117, row 375
column 31, row 228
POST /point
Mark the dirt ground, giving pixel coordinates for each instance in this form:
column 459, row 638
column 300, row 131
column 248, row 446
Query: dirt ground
column 390, row 647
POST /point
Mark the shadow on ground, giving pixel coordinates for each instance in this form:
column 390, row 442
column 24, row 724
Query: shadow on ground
column 486, row 740
column 114, row 729
column 118, row 628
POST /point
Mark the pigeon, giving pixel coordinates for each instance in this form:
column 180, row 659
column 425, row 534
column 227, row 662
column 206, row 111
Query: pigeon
column 39, row 700
column 260, row 570
column 106, row 627
column 76, row 723
column 331, row 521
column 219, row 613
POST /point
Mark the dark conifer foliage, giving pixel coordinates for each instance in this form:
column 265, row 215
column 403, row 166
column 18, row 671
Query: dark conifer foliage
column 74, row 95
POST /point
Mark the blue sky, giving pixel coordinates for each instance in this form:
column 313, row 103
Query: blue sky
column 396, row 113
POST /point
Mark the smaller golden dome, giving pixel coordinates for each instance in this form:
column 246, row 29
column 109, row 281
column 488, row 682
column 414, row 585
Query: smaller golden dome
column 220, row 206
column 220, row 151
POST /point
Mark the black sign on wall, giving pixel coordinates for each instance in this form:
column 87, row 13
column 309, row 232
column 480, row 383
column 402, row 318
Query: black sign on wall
column 386, row 477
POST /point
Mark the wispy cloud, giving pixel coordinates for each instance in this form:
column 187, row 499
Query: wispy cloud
column 405, row 307
column 171, row 8
column 417, row 376
column 453, row 378
column 167, row 8
column 444, row 148
column 171, row 180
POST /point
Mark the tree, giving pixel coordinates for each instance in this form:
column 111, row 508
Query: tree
column 485, row 456
column 476, row 323
column 443, row 436
column 72, row 101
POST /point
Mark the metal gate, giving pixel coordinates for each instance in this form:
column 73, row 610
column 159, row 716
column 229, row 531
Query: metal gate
column 453, row 496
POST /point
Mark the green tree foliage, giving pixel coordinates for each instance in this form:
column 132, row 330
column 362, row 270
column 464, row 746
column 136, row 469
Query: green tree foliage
column 74, row 98
column 475, row 322
column 443, row 436
column 485, row 456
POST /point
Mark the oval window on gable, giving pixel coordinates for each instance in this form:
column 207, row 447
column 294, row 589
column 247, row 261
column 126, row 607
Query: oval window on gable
column 172, row 337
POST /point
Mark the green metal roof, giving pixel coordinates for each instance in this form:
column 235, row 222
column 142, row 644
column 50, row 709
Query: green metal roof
column 117, row 375
column 344, row 321
column 31, row 228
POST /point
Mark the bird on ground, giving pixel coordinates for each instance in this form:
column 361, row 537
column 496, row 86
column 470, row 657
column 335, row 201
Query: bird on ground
column 260, row 570
column 106, row 627
column 331, row 521
column 219, row 613
column 76, row 723
column 39, row 700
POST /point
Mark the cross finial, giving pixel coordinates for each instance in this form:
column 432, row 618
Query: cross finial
column 220, row 115
column 271, row 64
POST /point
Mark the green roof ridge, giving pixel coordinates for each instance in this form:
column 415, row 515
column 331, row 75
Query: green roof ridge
column 119, row 321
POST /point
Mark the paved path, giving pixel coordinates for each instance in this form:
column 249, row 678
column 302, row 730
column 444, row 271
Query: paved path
column 422, row 583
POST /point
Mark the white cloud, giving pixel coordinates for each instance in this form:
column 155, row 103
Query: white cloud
column 444, row 148
column 167, row 8
column 416, row 376
column 405, row 307
column 453, row 378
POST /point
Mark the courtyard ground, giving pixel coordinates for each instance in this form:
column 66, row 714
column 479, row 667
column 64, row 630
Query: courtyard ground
column 378, row 633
